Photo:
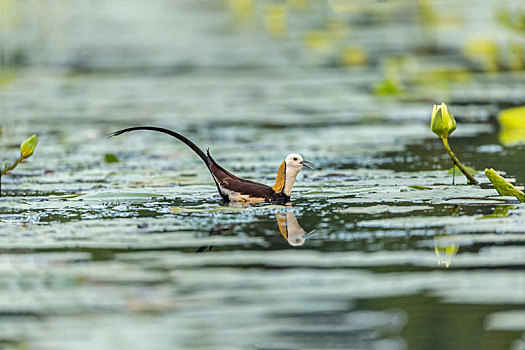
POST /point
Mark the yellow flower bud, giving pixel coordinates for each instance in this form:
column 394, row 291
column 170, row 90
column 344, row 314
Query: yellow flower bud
column 443, row 123
column 28, row 146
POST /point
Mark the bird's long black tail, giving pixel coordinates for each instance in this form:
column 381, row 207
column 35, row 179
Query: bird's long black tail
column 190, row 144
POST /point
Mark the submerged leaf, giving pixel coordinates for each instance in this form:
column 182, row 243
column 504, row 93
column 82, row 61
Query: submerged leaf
column 387, row 87
column 500, row 211
column 504, row 187
column 110, row 158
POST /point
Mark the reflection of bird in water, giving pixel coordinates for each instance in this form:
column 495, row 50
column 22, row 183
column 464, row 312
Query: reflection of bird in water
column 290, row 229
column 288, row 226
column 233, row 188
column 214, row 232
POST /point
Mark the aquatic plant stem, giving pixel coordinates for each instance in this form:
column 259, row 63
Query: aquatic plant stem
column 453, row 173
column 12, row 167
column 471, row 179
column 8, row 168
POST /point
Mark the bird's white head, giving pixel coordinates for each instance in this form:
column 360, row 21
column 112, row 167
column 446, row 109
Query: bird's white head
column 296, row 162
column 288, row 171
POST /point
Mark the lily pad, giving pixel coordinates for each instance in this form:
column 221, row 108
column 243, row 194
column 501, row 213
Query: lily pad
column 377, row 209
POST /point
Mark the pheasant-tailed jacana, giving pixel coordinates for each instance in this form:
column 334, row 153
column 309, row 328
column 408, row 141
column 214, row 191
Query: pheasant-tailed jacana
column 233, row 188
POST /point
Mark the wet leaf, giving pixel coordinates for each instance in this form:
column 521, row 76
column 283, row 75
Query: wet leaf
column 504, row 187
column 500, row 211
column 419, row 187
column 110, row 158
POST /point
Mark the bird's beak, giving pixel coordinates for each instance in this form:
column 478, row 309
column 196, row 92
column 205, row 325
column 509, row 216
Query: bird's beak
column 307, row 164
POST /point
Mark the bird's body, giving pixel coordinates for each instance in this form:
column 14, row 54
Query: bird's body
column 233, row 188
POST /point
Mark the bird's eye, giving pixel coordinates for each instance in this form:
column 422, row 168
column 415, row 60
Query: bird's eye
column 295, row 158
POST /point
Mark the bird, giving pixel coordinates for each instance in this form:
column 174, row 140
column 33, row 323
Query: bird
column 232, row 188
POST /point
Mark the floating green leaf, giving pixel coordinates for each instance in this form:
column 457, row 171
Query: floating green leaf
column 419, row 187
column 110, row 158
column 503, row 187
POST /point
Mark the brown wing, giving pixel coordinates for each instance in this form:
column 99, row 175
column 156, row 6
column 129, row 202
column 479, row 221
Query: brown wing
column 227, row 180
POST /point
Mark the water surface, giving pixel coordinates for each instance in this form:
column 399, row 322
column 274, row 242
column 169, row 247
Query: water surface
column 141, row 253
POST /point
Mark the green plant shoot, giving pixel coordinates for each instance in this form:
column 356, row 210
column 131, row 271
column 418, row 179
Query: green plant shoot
column 443, row 124
column 26, row 150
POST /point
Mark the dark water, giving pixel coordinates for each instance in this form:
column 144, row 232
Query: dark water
column 142, row 254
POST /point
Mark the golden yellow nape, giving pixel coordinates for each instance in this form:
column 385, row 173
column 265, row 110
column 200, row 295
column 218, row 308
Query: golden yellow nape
column 279, row 182
column 281, row 222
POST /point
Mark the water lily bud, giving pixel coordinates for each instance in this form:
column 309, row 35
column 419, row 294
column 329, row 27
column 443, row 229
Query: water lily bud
column 28, row 146
column 443, row 123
